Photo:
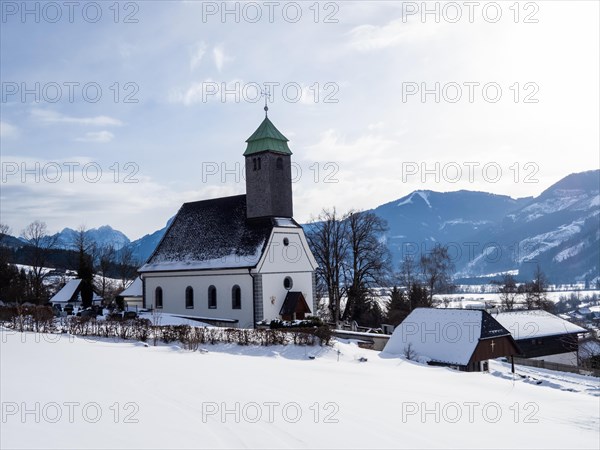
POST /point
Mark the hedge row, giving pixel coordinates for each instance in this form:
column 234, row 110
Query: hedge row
column 41, row 319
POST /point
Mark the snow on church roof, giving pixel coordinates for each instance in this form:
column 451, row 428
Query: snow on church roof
column 535, row 323
column 211, row 234
column 443, row 335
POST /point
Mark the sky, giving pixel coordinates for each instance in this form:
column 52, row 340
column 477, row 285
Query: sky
column 117, row 113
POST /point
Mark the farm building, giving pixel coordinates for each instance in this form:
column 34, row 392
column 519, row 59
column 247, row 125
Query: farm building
column 459, row 338
column 541, row 335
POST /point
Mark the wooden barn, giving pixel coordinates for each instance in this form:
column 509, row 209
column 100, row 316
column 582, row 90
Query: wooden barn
column 542, row 335
column 463, row 339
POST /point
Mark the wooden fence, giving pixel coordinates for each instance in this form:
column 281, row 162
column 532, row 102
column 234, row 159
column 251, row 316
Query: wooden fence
column 557, row 366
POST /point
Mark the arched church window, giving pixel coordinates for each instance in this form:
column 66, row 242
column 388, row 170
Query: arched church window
column 189, row 297
column 279, row 163
column 212, row 297
column 236, row 297
column 158, row 297
column 258, row 162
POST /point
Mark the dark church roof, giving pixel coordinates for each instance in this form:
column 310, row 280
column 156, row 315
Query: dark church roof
column 213, row 234
column 267, row 138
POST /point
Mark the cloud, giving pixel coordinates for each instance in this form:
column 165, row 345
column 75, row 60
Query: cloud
column 378, row 126
column 97, row 136
column 8, row 131
column 197, row 54
column 63, row 193
column 334, row 146
column 395, row 32
column 210, row 90
column 54, row 117
column 220, row 57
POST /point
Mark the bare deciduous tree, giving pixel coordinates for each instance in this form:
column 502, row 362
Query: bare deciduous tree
column 327, row 241
column 106, row 258
column 408, row 271
column 536, row 292
column 127, row 265
column 436, row 269
column 509, row 292
column 36, row 235
column 368, row 263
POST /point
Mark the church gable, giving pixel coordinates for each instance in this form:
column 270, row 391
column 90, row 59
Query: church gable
column 287, row 251
column 211, row 234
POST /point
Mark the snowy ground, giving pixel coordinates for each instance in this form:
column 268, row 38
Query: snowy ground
column 476, row 299
column 465, row 299
column 170, row 319
column 83, row 393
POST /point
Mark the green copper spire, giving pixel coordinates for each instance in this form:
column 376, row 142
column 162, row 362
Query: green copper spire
column 267, row 138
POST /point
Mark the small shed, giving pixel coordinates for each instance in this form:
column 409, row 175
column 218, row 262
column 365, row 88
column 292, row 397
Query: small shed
column 294, row 307
column 542, row 335
column 459, row 338
column 133, row 296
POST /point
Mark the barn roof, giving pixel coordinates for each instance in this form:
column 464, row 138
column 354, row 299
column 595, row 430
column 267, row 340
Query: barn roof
column 212, row 234
column 445, row 335
column 534, row 323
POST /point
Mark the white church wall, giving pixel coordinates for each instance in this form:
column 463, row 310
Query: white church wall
column 279, row 261
column 174, row 287
column 274, row 292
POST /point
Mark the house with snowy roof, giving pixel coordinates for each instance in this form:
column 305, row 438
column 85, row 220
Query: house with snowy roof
column 237, row 260
column 459, row 338
column 542, row 335
column 70, row 293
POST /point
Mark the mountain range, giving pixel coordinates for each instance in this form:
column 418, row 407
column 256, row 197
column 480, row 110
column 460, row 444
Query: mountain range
column 489, row 234
column 486, row 234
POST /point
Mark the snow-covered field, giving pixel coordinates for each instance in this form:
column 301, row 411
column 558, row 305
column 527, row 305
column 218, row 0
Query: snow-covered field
column 81, row 393
column 464, row 300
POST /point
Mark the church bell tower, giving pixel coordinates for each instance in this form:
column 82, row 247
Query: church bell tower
column 268, row 173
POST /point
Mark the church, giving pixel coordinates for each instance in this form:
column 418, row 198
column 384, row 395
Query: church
column 239, row 260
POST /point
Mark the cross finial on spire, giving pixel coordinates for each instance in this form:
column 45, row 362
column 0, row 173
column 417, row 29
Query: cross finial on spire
column 266, row 94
